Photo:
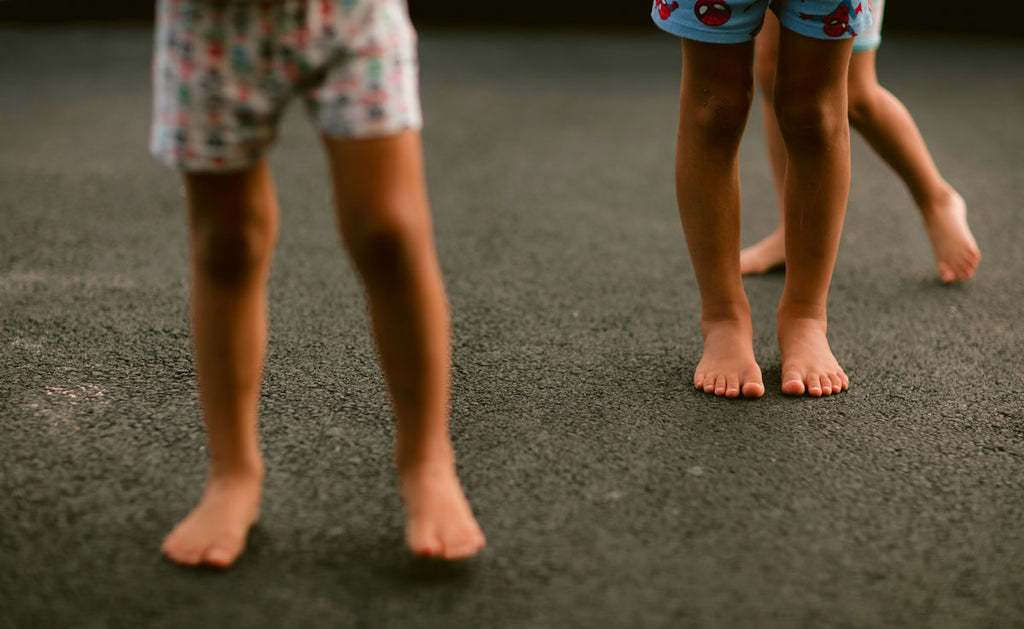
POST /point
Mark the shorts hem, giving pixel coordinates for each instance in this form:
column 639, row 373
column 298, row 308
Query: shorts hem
column 814, row 31
column 206, row 165
column 866, row 44
column 372, row 133
column 701, row 35
column 813, row 28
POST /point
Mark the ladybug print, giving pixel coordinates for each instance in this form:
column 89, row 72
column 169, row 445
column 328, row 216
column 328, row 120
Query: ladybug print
column 712, row 12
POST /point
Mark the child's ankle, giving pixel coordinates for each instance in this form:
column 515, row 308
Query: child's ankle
column 789, row 311
column 247, row 470
column 426, row 454
column 938, row 200
column 726, row 311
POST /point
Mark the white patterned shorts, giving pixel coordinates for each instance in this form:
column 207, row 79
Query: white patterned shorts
column 224, row 70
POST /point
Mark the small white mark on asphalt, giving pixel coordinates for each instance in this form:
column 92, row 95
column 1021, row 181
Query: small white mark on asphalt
column 28, row 280
column 80, row 392
column 59, row 404
column 27, row 344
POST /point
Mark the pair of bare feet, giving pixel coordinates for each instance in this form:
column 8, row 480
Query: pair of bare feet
column 439, row 521
column 728, row 367
column 956, row 252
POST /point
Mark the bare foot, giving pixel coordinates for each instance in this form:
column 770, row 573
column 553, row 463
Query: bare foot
column 956, row 252
column 763, row 256
column 728, row 366
column 440, row 523
column 214, row 533
column 808, row 365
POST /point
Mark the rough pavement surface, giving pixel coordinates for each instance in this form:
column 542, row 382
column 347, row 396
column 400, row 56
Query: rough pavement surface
column 613, row 494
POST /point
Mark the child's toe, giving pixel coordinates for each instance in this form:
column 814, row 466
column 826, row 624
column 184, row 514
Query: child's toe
column 184, row 554
column 946, row 274
column 793, row 384
column 752, row 389
column 463, row 550
column 720, row 385
column 424, row 543
column 814, row 385
column 732, row 386
column 219, row 557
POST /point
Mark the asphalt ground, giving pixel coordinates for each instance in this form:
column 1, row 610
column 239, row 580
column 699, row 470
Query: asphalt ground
column 613, row 493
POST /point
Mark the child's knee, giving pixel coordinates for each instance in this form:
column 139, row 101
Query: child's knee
column 809, row 123
column 722, row 112
column 232, row 253
column 859, row 106
column 380, row 234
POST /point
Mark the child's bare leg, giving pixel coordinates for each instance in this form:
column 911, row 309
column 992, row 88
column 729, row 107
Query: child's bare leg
column 714, row 103
column 233, row 222
column 384, row 218
column 810, row 103
column 769, row 252
column 887, row 125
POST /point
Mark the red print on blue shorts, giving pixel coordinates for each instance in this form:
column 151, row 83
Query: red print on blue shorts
column 837, row 23
column 712, row 12
column 665, row 9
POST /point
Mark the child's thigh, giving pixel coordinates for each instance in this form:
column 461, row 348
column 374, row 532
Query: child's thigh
column 379, row 172
column 811, row 69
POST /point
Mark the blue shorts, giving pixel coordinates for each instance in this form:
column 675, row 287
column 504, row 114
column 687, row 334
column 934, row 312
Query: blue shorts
column 871, row 39
column 738, row 21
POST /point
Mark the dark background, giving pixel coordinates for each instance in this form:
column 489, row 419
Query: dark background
column 942, row 16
